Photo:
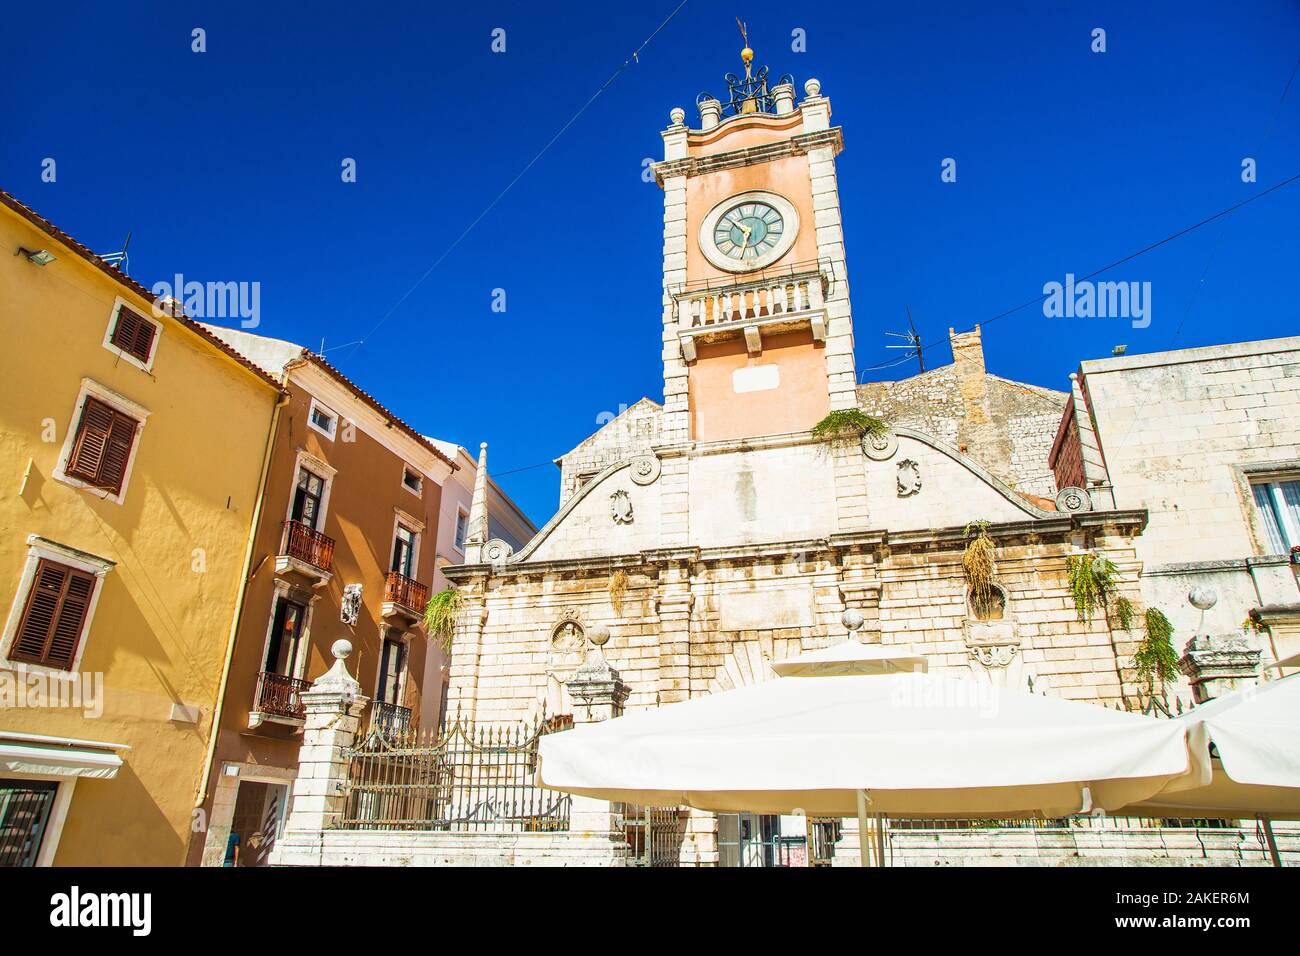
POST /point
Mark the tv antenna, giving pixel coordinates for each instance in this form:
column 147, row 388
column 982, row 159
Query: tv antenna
column 913, row 341
column 119, row 260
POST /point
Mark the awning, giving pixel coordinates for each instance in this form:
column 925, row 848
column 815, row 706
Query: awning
column 80, row 761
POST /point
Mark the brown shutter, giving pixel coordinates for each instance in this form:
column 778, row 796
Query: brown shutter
column 102, row 446
column 92, row 438
column 50, row 630
column 133, row 334
column 116, row 454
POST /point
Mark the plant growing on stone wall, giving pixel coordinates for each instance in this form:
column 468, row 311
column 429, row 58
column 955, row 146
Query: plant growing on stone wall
column 440, row 616
column 1124, row 611
column 846, row 426
column 1156, row 658
column 977, row 563
column 617, row 588
column 1092, row 579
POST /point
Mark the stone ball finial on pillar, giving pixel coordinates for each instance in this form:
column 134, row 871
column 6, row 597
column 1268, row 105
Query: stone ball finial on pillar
column 1202, row 598
column 598, row 635
column 337, row 679
column 813, row 86
column 678, row 116
column 853, row 619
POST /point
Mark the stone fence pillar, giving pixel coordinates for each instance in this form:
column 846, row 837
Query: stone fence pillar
column 1218, row 665
column 598, row 694
column 333, row 705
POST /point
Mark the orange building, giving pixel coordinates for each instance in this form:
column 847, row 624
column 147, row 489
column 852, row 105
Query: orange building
column 345, row 549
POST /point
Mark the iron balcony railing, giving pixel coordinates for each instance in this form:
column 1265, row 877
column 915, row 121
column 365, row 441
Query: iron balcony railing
column 390, row 719
column 309, row 545
column 406, row 592
column 280, row 695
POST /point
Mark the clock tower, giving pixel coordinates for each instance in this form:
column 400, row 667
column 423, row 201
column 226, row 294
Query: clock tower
column 757, row 331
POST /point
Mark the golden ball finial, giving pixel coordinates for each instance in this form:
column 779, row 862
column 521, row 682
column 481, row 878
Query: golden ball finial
column 747, row 55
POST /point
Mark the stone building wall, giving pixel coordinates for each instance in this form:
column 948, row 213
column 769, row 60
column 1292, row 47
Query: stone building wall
column 629, row 434
column 1184, row 434
column 1008, row 427
column 697, row 621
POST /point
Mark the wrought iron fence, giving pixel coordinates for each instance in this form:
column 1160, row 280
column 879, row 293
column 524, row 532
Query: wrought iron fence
column 464, row 778
column 654, row 835
column 1088, row 822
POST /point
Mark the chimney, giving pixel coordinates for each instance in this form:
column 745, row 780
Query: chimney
column 967, row 353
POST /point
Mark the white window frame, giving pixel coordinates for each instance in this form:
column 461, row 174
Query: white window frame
column 416, row 527
column 333, row 430
column 42, row 548
column 1287, row 525
column 455, row 529
column 145, row 314
column 283, row 590
column 58, row 814
column 418, row 490
column 92, row 389
column 320, row 468
column 405, row 641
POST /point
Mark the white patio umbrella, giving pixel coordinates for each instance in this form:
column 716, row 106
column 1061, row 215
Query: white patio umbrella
column 866, row 725
column 1256, row 766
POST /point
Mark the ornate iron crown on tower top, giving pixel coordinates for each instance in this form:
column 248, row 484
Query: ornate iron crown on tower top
column 751, row 93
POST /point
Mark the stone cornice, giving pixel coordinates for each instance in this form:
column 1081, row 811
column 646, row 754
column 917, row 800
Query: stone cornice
column 1060, row 526
column 798, row 145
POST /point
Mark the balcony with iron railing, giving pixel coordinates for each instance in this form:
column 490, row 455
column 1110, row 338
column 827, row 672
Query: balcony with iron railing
column 779, row 299
column 404, row 597
column 278, row 698
column 390, row 719
column 306, row 551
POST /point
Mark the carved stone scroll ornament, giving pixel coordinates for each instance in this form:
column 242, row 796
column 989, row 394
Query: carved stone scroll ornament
column 909, row 478
column 497, row 551
column 645, row 469
column 620, row 507
column 879, row 446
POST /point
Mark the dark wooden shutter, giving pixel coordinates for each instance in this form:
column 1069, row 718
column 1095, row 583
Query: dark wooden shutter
column 52, row 622
column 92, row 438
column 133, row 334
column 102, row 446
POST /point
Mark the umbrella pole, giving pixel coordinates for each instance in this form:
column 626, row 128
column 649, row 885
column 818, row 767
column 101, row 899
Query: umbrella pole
column 863, row 845
column 1267, row 824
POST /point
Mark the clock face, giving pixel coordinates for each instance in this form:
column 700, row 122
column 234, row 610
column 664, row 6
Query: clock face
column 748, row 231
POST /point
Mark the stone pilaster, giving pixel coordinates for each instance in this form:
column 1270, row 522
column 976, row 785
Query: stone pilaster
column 1219, row 664
column 676, row 413
column 466, row 653
column 598, row 694
column 333, row 705
column 673, row 606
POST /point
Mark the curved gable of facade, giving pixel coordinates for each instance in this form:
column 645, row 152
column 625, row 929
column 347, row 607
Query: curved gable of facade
column 775, row 490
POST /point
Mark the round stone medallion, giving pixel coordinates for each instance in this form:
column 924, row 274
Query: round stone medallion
column 879, row 446
column 1073, row 500
column 645, row 469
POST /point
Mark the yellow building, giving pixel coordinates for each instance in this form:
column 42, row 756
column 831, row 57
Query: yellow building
column 133, row 445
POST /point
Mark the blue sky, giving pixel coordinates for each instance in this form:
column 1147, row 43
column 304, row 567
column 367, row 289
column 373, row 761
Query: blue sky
column 225, row 166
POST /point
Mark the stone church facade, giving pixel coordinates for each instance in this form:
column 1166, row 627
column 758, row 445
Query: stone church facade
column 709, row 535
